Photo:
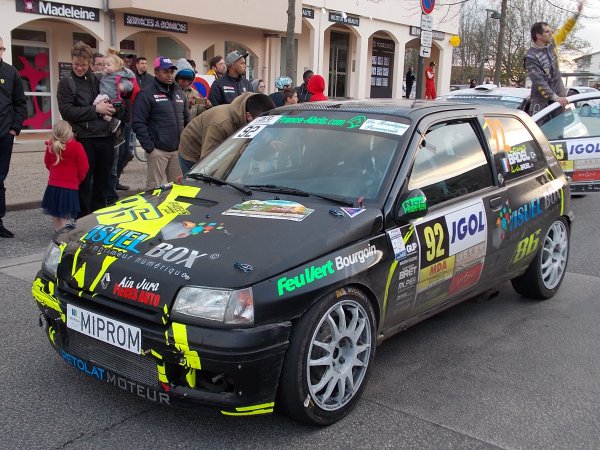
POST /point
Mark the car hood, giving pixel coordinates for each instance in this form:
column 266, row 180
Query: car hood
column 143, row 249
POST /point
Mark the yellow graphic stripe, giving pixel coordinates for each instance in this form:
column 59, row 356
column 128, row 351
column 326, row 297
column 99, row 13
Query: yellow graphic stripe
column 162, row 373
column 391, row 274
column 181, row 344
column 78, row 274
column 265, row 408
column 46, row 298
column 562, row 193
column 52, row 334
column 105, row 265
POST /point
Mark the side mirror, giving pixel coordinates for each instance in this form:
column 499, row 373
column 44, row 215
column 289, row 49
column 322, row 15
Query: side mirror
column 412, row 206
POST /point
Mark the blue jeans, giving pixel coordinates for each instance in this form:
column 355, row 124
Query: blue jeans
column 185, row 165
column 119, row 163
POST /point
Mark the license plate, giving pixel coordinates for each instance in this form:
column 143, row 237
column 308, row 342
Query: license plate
column 104, row 329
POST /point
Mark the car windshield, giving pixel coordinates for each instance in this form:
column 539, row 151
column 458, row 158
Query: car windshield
column 500, row 100
column 333, row 153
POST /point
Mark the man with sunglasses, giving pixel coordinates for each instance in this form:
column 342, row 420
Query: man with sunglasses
column 541, row 62
column 13, row 109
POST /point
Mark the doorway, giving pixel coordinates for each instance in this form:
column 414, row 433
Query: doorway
column 338, row 64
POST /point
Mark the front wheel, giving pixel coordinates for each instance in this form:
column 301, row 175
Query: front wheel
column 329, row 359
column 547, row 270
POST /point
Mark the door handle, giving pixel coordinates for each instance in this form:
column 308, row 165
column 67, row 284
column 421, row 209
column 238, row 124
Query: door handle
column 496, row 203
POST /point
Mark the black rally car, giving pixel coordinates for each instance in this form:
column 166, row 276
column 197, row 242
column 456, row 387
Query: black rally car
column 268, row 277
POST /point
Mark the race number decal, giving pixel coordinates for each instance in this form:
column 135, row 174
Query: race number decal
column 249, row 131
column 434, row 241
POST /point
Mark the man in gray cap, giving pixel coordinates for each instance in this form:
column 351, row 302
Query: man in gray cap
column 233, row 83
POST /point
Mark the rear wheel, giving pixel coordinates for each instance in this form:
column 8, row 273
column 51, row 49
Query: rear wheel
column 329, row 359
column 547, row 270
column 586, row 110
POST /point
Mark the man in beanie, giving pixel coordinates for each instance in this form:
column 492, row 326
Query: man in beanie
column 160, row 113
column 184, row 77
column 233, row 83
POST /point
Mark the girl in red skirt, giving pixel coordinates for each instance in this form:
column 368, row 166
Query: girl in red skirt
column 68, row 165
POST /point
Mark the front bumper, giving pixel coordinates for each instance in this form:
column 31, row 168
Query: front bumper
column 235, row 370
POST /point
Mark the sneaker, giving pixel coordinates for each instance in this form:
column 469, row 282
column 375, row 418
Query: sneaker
column 115, row 124
column 71, row 225
column 5, row 233
column 121, row 187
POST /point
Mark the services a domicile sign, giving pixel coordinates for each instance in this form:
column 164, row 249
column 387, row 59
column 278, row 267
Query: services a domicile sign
column 58, row 10
column 155, row 23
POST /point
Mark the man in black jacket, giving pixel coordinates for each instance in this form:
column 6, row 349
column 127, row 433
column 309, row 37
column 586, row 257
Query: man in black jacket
column 302, row 90
column 75, row 94
column 13, row 109
column 160, row 113
column 233, row 83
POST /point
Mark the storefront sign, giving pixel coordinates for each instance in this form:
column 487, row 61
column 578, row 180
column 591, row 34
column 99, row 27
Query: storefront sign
column 437, row 35
column 64, row 69
column 339, row 18
column 58, row 10
column 155, row 23
column 308, row 13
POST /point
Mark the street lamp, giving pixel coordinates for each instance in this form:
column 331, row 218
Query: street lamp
column 494, row 15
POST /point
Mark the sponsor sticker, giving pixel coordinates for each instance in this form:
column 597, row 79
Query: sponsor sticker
column 270, row 209
column 467, row 227
column 249, row 131
column 265, row 120
column 395, row 236
column 583, row 149
column 585, row 164
column 384, row 126
column 352, row 212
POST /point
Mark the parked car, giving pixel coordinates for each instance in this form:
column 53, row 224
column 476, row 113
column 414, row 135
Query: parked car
column 574, row 135
column 267, row 278
column 510, row 97
column 587, row 108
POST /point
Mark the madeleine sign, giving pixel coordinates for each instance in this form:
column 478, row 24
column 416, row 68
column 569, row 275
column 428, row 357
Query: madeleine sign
column 58, row 10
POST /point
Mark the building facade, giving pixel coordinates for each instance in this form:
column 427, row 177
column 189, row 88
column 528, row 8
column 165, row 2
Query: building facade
column 588, row 63
column 359, row 47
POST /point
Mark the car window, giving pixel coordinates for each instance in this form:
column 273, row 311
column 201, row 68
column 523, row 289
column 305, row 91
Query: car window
column 450, row 162
column 341, row 154
column 578, row 119
column 517, row 151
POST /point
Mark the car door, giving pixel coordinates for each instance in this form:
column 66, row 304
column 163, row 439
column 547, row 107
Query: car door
column 452, row 167
column 574, row 134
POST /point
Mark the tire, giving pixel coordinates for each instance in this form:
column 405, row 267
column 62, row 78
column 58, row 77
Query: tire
column 547, row 270
column 337, row 335
column 586, row 110
column 140, row 153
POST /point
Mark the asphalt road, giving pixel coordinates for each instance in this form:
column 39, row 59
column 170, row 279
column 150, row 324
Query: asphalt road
column 507, row 373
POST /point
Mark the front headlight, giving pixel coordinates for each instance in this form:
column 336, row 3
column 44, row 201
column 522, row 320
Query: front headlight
column 51, row 260
column 222, row 305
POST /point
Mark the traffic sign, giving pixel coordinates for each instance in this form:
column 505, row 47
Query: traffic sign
column 425, row 52
column 426, row 22
column 426, row 38
column 427, row 6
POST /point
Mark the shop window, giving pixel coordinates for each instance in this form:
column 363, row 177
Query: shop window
column 28, row 35
column 86, row 38
column 169, row 48
column 127, row 44
column 231, row 46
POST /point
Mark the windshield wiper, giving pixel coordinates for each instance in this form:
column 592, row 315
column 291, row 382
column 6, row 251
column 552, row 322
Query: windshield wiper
column 209, row 179
column 293, row 191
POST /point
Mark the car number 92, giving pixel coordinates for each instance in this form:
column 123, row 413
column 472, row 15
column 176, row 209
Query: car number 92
column 104, row 329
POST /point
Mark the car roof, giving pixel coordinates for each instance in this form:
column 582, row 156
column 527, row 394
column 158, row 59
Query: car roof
column 411, row 109
column 492, row 89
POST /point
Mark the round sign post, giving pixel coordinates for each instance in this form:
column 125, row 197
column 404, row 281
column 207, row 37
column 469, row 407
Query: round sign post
column 427, row 6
